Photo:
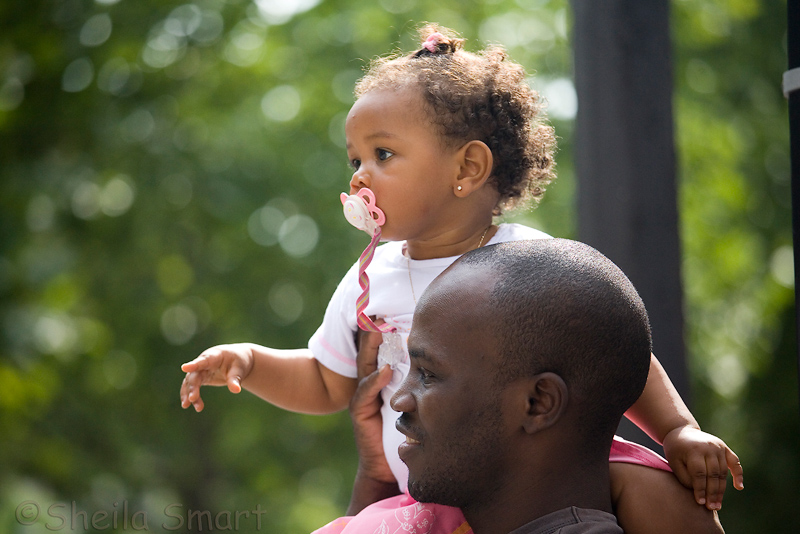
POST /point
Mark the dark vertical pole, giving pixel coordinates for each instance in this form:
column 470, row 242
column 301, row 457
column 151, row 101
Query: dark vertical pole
column 793, row 41
column 625, row 159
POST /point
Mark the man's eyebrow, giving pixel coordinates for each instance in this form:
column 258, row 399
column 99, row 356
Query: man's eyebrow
column 420, row 354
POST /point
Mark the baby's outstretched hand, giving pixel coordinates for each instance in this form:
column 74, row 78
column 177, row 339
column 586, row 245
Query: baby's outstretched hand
column 218, row 366
column 701, row 462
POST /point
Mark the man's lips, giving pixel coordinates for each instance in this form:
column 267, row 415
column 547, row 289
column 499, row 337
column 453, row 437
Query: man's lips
column 403, row 427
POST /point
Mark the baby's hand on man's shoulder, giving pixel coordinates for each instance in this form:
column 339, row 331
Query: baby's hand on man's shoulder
column 701, row 462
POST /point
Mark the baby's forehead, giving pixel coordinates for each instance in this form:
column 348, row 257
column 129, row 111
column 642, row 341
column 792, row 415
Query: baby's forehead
column 403, row 96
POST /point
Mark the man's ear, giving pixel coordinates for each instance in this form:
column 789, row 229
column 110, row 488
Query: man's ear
column 548, row 397
column 476, row 163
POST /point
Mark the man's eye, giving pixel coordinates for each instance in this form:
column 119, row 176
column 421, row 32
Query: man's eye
column 383, row 155
column 425, row 376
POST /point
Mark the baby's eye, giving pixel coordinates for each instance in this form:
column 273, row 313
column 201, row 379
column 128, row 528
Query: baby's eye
column 383, row 154
column 355, row 163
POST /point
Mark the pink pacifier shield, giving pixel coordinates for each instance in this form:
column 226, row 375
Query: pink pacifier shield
column 361, row 211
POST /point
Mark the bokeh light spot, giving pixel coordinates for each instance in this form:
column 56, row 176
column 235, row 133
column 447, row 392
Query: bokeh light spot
column 40, row 213
column 78, row 75
column 86, row 200
column 298, row 235
column 281, row 11
column 281, row 104
column 286, row 301
column 55, row 334
column 177, row 189
column 119, row 369
column 178, row 324
column 117, row 196
column 184, row 20
column 336, row 130
column 265, row 224
column 138, row 126
column 114, row 76
column 163, row 49
column 12, row 93
column 96, row 30
column 782, row 266
column 728, row 376
column 562, row 100
column 210, row 28
column 174, row 275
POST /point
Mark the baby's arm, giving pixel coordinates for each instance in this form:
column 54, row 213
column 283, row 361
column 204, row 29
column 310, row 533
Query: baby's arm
column 290, row 379
column 699, row 460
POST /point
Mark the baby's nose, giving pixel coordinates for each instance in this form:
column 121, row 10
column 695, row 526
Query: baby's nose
column 359, row 180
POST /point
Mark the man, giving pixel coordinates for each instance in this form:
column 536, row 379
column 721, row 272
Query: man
column 524, row 356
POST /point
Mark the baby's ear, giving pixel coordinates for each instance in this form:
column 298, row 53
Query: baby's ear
column 476, row 162
column 547, row 400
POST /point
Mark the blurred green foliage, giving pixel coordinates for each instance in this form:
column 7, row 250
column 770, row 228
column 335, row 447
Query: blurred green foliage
column 169, row 175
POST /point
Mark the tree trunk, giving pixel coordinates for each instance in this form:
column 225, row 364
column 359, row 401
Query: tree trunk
column 625, row 160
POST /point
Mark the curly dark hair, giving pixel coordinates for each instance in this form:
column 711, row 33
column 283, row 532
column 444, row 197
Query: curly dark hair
column 477, row 96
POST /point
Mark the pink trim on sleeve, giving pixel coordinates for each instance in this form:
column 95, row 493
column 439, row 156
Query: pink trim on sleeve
column 335, row 354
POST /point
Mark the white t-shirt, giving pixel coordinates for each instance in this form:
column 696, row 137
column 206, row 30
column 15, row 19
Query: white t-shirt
column 391, row 298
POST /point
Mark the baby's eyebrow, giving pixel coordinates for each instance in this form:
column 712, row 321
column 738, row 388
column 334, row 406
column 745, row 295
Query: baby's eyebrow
column 382, row 134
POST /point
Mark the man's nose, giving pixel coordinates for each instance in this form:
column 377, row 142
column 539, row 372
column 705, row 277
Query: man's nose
column 403, row 400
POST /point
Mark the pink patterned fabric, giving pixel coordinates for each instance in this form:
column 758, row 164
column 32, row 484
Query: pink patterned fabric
column 400, row 515
column 404, row 515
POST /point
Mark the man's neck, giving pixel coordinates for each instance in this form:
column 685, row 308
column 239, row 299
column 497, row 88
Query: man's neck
column 531, row 497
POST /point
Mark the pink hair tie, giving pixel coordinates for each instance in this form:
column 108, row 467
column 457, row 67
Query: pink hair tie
column 432, row 41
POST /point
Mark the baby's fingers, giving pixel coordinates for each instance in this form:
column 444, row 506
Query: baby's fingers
column 190, row 392
column 198, row 364
column 234, row 376
column 696, row 478
column 736, row 469
column 716, row 476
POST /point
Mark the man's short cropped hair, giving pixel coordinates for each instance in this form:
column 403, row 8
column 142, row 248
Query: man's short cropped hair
column 561, row 306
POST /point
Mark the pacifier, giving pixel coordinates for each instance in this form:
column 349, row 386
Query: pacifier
column 361, row 211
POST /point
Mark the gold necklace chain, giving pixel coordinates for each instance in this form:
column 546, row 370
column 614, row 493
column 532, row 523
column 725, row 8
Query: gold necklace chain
column 408, row 264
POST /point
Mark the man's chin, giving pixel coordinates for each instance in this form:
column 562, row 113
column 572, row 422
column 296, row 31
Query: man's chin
column 424, row 493
column 417, row 491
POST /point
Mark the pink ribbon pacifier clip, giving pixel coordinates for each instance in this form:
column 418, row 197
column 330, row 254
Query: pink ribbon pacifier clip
column 361, row 211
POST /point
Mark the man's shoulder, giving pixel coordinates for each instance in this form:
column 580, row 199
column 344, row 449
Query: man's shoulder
column 573, row 520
